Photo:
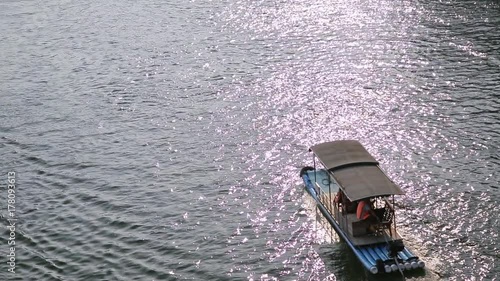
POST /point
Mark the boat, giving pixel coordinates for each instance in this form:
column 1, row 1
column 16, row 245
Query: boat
column 357, row 198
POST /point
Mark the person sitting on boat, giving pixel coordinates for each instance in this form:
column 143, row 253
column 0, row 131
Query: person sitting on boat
column 350, row 207
column 365, row 212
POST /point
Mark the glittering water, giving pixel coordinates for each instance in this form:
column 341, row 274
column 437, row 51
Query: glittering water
column 161, row 140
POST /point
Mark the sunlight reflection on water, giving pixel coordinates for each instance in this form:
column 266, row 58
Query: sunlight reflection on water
column 164, row 140
column 365, row 70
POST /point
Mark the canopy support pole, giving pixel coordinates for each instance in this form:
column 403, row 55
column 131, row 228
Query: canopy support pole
column 393, row 212
column 315, row 181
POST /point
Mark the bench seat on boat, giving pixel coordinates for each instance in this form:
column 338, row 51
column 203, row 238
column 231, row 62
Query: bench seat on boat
column 356, row 226
column 359, row 227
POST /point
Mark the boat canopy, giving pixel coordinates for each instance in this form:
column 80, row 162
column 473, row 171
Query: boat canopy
column 356, row 171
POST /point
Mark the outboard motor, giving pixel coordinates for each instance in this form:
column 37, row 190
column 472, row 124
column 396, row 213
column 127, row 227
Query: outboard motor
column 394, row 247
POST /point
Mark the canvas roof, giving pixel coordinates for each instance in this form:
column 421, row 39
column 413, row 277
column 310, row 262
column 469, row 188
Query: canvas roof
column 336, row 154
column 356, row 171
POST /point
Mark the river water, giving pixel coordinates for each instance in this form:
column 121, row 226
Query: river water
column 162, row 140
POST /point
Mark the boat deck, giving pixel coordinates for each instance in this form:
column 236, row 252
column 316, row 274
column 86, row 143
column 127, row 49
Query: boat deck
column 384, row 236
column 328, row 188
column 323, row 181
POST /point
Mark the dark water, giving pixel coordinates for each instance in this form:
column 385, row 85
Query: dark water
column 161, row 140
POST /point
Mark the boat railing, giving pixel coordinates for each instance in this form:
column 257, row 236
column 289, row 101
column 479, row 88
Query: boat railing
column 385, row 217
column 388, row 204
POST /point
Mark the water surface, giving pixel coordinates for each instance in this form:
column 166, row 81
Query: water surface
column 163, row 140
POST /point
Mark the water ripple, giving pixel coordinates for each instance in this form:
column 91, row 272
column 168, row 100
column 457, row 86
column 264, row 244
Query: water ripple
column 163, row 141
